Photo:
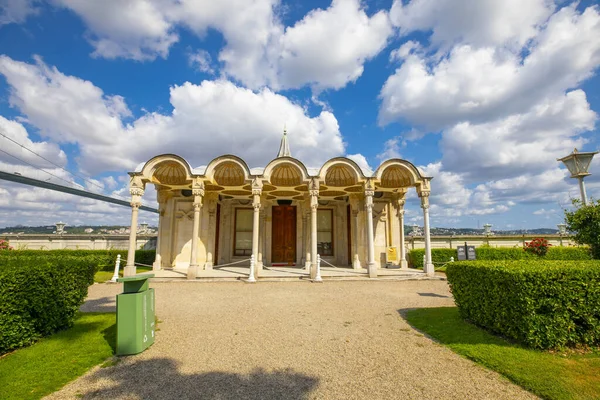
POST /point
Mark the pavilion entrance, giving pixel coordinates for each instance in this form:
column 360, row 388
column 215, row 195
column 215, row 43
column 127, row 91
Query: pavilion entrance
column 283, row 235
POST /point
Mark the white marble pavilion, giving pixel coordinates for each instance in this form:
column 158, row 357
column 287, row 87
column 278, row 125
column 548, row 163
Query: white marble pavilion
column 283, row 215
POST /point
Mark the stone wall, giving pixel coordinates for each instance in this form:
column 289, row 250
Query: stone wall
column 451, row 242
column 78, row 242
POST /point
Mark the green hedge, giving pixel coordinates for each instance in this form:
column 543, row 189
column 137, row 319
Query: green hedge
column 102, row 260
column 39, row 296
column 542, row 304
column 415, row 257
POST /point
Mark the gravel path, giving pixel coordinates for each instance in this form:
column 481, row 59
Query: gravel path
column 290, row 340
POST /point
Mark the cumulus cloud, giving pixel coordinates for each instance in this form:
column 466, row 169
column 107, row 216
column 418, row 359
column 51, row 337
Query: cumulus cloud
column 325, row 49
column 481, row 23
column 208, row 120
column 362, row 162
column 488, row 82
column 17, row 11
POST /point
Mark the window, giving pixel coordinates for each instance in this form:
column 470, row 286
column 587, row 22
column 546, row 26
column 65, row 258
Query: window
column 243, row 232
column 325, row 232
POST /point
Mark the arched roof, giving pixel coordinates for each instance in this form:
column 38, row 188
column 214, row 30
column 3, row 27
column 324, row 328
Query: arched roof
column 169, row 167
column 281, row 161
column 347, row 163
column 397, row 172
column 227, row 159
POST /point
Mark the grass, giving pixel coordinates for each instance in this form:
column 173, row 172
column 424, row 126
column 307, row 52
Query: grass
column 46, row 366
column 103, row 276
column 550, row 375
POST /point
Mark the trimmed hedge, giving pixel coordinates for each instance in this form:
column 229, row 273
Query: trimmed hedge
column 542, row 304
column 415, row 257
column 39, row 296
column 102, row 260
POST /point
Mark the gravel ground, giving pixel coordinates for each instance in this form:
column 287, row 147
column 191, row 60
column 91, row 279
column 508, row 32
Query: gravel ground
column 290, row 340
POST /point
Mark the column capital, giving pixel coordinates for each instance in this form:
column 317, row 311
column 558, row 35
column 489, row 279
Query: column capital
column 136, row 191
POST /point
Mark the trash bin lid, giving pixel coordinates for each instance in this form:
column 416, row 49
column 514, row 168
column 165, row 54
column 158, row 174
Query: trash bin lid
column 136, row 283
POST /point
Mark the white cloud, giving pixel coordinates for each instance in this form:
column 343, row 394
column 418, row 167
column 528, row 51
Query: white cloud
column 17, row 11
column 484, row 83
column 135, row 29
column 14, row 139
column 209, row 119
column 481, row 23
column 522, row 142
column 201, row 60
column 326, row 49
column 362, row 163
column 391, row 148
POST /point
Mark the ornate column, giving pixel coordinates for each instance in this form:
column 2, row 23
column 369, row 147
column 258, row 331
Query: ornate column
column 198, row 193
column 313, row 190
column 136, row 189
column 354, row 208
column 161, row 197
column 260, row 262
column 423, row 192
column 256, row 192
column 369, row 193
column 400, row 212
column 211, row 203
column 304, row 237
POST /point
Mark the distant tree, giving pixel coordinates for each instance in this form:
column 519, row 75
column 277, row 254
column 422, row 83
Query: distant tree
column 584, row 222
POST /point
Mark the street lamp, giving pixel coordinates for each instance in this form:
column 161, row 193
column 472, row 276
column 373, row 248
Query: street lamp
column 487, row 229
column 562, row 229
column 578, row 163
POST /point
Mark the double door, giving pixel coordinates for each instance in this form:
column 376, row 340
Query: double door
column 284, row 235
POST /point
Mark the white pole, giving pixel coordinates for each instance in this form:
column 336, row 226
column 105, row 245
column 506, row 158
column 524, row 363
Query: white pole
column 424, row 262
column 582, row 190
column 318, row 276
column 117, row 264
column 251, row 276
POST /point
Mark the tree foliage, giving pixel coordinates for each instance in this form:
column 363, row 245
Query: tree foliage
column 584, row 223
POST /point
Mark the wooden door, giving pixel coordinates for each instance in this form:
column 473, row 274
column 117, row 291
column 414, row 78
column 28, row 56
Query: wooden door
column 283, row 234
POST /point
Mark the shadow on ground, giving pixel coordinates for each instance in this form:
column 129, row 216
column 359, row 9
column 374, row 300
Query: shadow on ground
column 161, row 379
column 103, row 304
column 434, row 295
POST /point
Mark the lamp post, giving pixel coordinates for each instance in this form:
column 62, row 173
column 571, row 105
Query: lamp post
column 578, row 163
column 487, row 229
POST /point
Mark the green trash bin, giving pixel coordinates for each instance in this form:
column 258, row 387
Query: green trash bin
column 135, row 315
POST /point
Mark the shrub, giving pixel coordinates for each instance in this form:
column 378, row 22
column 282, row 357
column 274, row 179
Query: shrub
column 39, row 296
column 584, row 221
column 568, row 253
column 102, row 260
column 4, row 245
column 415, row 256
column 538, row 247
column 542, row 304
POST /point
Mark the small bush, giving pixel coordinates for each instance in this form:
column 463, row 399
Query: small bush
column 542, row 304
column 538, row 247
column 438, row 256
column 39, row 296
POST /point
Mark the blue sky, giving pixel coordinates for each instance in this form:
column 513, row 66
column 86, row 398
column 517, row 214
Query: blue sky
column 484, row 97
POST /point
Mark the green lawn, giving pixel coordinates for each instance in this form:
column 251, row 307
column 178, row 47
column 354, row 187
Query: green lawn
column 46, row 366
column 548, row 375
column 103, row 276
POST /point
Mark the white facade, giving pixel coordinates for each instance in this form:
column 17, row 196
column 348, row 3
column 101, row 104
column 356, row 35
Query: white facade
column 284, row 214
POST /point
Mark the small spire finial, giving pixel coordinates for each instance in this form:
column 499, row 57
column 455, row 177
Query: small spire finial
column 284, row 148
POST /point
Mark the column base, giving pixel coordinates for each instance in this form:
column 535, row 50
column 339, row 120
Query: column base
column 156, row 265
column 313, row 271
column 429, row 270
column 356, row 263
column 208, row 265
column 372, row 270
column 129, row 270
column 403, row 264
column 192, row 272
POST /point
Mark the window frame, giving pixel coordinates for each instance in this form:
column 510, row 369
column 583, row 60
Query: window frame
column 235, row 232
column 332, row 250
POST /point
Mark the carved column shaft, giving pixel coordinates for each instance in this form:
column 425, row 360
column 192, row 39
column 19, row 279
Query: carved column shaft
column 198, row 193
column 402, row 255
column 314, row 205
column 429, row 269
column 136, row 201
